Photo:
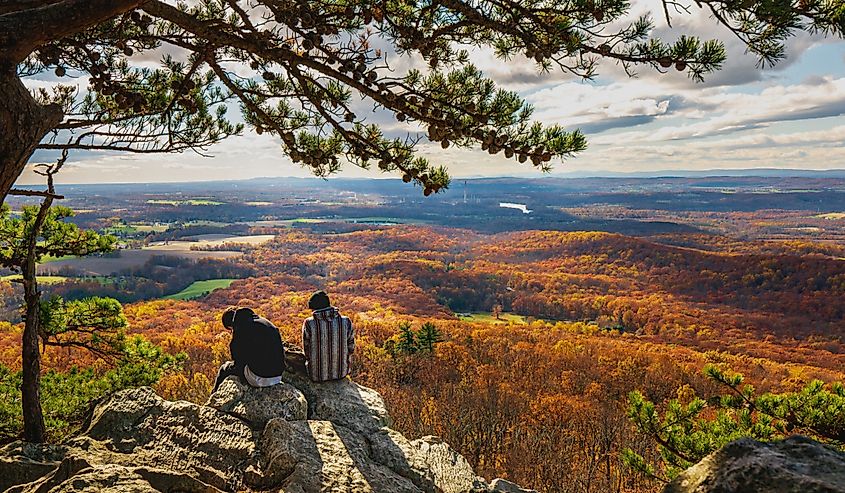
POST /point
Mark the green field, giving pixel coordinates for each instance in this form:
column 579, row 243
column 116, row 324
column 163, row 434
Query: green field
column 150, row 228
column 41, row 279
column 201, row 222
column 48, row 258
column 488, row 317
column 200, row 288
column 120, row 230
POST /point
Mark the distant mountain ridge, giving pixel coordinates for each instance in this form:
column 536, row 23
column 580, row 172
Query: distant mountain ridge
column 567, row 175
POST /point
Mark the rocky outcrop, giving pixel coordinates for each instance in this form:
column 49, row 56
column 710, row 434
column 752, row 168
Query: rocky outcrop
column 343, row 402
column 795, row 465
column 302, row 437
column 258, row 406
column 296, row 437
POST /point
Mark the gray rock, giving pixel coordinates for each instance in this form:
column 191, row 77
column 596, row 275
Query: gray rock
column 138, row 428
column 114, row 478
column 500, row 485
column 258, row 406
column 22, row 462
column 138, row 442
column 315, row 456
column 795, row 465
column 107, row 478
column 343, row 402
column 452, row 473
column 429, row 463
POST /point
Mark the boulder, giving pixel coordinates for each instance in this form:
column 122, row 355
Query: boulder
column 795, row 465
column 296, row 437
column 138, row 428
column 429, row 463
column 500, row 485
column 115, row 478
column 315, row 456
column 343, row 402
column 258, row 406
column 107, row 478
column 22, row 462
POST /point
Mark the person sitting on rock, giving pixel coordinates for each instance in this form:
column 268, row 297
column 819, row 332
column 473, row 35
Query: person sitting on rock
column 258, row 354
column 328, row 340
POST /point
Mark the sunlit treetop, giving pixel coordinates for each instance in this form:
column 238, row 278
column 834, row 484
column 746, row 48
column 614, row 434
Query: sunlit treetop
column 161, row 74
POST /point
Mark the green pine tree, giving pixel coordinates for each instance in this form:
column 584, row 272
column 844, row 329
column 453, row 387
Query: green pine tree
column 41, row 231
column 407, row 340
column 427, row 336
column 67, row 396
column 690, row 427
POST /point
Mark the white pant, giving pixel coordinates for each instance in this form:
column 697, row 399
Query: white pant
column 256, row 381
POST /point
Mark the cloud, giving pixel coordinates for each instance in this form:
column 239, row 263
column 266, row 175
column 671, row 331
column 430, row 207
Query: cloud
column 600, row 107
column 789, row 116
column 733, row 112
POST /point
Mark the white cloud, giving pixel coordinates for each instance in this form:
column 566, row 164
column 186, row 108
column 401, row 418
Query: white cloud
column 741, row 117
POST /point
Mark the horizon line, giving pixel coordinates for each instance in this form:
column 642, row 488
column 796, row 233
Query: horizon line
column 582, row 175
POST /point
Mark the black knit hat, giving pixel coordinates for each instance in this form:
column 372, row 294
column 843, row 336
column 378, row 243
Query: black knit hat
column 228, row 317
column 319, row 301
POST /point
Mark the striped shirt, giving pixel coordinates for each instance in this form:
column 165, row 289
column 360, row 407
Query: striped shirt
column 328, row 341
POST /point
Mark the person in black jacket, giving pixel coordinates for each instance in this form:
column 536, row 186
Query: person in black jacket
column 258, row 355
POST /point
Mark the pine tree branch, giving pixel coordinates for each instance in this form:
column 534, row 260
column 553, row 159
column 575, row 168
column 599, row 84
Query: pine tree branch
column 35, row 193
column 24, row 29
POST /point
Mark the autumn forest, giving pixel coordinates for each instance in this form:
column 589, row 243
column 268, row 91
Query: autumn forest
column 520, row 344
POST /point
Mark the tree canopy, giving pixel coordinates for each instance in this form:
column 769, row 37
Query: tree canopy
column 160, row 75
column 55, row 237
column 691, row 427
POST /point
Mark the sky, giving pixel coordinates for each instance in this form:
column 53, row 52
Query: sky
column 791, row 116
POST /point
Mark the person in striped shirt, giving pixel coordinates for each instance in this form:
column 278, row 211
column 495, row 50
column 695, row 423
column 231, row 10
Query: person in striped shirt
column 328, row 340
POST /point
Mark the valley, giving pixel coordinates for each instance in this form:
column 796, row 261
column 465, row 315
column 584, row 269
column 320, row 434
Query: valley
column 548, row 319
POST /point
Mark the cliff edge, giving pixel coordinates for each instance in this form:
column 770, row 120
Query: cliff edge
column 297, row 437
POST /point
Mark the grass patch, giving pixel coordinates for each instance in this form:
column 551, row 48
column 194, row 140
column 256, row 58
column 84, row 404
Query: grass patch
column 307, row 220
column 120, row 229
column 40, row 279
column 199, row 289
column 50, row 258
column 488, row 317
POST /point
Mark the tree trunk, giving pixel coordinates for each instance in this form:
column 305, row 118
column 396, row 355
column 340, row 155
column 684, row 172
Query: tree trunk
column 23, row 123
column 33, row 418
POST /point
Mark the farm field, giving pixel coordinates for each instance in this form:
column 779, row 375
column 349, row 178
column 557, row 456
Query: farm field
column 125, row 259
column 216, row 240
column 131, row 258
column 200, row 288
column 150, row 228
column 41, row 279
column 832, row 216
column 195, row 202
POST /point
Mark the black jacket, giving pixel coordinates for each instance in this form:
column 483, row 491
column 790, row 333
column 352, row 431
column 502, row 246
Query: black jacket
column 256, row 343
